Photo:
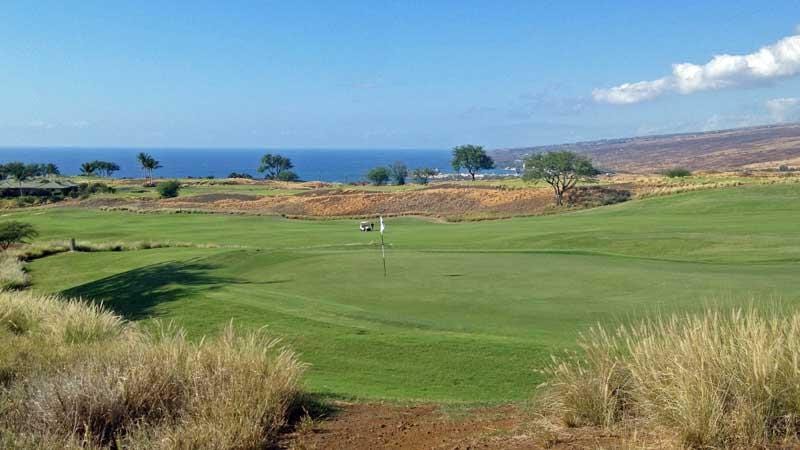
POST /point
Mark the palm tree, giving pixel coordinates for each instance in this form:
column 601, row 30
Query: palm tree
column 143, row 157
column 88, row 169
column 51, row 170
column 19, row 172
column 148, row 164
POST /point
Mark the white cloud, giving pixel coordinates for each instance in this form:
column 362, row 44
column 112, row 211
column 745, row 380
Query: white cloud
column 779, row 60
column 784, row 109
column 632, row 92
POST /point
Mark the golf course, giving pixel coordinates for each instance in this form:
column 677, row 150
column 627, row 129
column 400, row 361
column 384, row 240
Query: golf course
column 468, row 312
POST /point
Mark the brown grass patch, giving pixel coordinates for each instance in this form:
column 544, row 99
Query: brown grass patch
column 438, row 201
column 74, row 375
column 715, row 380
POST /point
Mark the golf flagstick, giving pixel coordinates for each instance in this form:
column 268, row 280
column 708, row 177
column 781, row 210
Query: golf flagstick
column 383, row 249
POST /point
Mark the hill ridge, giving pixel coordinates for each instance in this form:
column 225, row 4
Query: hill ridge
column 757, row 147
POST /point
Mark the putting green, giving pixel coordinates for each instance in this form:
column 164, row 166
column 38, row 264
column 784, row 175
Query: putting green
column 468, row 312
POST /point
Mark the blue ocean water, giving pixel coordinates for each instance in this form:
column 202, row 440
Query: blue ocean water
column 340, row 165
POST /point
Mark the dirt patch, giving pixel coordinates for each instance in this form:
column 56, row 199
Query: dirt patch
column 374, row 426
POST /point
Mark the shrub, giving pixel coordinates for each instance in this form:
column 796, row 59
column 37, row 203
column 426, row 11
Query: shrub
column 86, row 189
column 712, row 380
column 678, row 172
column 77, row 376
column 286, row 175
column 591, row 196
column 29, row 200
column 240, row 175
column 168, row 189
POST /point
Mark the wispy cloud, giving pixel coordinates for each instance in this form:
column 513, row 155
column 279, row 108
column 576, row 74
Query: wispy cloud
column 79, row 124
column 44, row 125
column 784, row 109
column 779, row 60
column 40, row 124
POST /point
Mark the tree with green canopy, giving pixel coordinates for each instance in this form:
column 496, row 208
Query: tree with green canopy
column 562, row 170
column 472, row 158
column 379, row 176
column 15, row 232
column 423, row 174
column 273, row 165
column 399, row 172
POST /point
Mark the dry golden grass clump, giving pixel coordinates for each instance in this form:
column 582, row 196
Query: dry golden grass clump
column 43, row 249
column 74, row 375
column 729, row 380
column 12, row 273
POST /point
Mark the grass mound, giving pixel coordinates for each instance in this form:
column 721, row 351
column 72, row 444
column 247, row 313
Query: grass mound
column 74, row 375
column 711, row 380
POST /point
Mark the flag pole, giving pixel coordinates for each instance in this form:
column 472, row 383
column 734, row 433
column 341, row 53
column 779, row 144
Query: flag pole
column 383, row 248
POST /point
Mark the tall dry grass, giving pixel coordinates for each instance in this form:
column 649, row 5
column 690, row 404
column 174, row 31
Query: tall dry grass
column 12, row 273
column 75, row 375
column 715, row 380
column 43, row 249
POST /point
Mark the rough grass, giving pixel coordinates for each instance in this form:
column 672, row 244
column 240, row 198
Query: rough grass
column 75, row 375
column 12, row 273
column 43, row 249
column 718, row 379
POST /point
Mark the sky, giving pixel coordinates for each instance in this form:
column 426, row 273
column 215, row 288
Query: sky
column 385, row 74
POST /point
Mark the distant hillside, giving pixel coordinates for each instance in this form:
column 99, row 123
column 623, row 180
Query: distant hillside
column 755, row 147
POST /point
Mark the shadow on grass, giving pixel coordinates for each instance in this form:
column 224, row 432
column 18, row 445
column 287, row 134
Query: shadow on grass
column 135, row 293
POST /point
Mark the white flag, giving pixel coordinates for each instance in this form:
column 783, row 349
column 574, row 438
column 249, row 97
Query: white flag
column 383, row 227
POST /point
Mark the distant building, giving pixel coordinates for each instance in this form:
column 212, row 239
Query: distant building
column 10, row 187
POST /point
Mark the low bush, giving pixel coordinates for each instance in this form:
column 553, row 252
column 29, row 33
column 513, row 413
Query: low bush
column 678, row 172
column 86, row 189
column 592, row 196
column 712, row 380
column 168, row 189
column 76, row 375
column 287, row 175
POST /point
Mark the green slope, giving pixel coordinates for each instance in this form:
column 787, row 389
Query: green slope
column 468, row 311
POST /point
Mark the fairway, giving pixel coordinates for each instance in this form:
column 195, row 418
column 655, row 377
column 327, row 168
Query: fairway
column 468, row 312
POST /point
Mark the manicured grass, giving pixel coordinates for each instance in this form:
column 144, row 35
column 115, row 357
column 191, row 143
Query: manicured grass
column 468, row 311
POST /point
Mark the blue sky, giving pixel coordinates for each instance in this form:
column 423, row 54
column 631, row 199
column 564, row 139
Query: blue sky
column 404, row 74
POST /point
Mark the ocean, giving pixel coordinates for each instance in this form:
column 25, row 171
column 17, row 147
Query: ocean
column 340, row 165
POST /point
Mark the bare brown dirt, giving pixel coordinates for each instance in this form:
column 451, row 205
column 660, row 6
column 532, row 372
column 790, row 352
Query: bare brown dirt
column 382, row 426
